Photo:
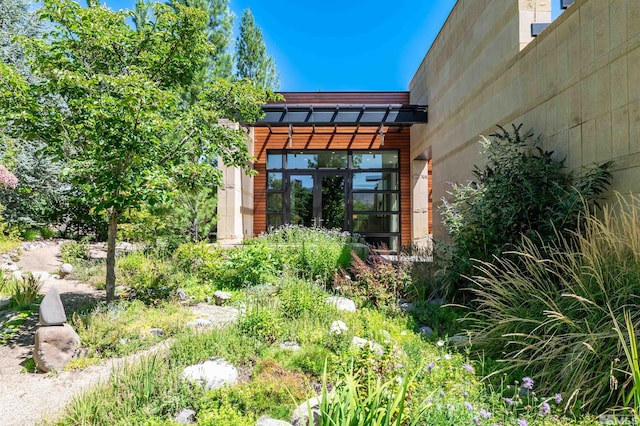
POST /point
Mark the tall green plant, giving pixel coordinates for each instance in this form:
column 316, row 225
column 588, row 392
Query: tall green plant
column 125, row 132
column 521, row 191
column 252, row 60
column 554, row 310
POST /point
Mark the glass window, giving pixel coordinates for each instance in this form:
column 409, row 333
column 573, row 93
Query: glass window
column 274, row 161
column 375, row 202
column 375, row 160
column 274, row 181
column 274, row 220
column 375, row 181
column 317, row 160
column 274, row 202
column 391, row 243
column 376, row 223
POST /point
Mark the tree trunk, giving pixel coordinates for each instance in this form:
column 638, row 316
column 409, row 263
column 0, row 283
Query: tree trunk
column 110, row 284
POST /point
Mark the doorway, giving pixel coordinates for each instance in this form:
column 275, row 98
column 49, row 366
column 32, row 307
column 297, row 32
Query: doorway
column 318, row 199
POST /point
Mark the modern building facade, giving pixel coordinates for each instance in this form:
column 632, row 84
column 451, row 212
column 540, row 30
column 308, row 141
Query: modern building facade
column 577, row 84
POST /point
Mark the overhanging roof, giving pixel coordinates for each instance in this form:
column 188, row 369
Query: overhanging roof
column 342, row 115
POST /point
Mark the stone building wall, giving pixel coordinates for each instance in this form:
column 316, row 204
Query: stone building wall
column 577, row 84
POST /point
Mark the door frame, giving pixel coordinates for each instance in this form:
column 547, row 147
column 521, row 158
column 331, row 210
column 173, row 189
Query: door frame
column 317, row 175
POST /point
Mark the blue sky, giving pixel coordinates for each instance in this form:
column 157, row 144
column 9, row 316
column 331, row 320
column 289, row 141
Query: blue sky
column 331, row 45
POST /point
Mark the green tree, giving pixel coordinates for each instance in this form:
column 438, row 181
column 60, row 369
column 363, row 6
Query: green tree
column 252, row 61
column 125, row 132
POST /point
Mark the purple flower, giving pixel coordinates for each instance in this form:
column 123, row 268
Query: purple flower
column 476, row 421
column 468, row 405
column 527, row 383
column 431, row 366
column 545, row 409
column 468, row 367
column 508, row 401
column 523, row 422
column 485, row 414
column 558, row 398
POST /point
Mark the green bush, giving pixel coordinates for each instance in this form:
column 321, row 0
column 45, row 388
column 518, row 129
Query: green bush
column 70, row 251
column 299, row 297
column 377, row 281
column 310, row 252
column 200, row 258
column 552, row 311
column 522, row 190
column 250, row 264
column 148, row 278
column 260, row 321
column 25, row 291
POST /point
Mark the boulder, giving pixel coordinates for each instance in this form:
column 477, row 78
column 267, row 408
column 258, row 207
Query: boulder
column 51, row 311
column 65, row 269
column 211, row 374
column 17, row 275
column 337, row 327
column 186, row 416
column 267, row 421
column 459, row 340
column 221, row 297
column 300, row 416
column 199, row 323
column 54, row 347
column 425, row 331
column 359, row 342
column 157, row 332
column 342, row 303
column 290, row 346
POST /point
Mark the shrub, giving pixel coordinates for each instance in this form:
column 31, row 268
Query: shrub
column 251, row 264
column 311, row 252
column 299, row 297
column 378, row 281
column 70, row 251
column 552, row 311
column 522, row 190
column 149, row 278
column 260, row 321
column 25, row 291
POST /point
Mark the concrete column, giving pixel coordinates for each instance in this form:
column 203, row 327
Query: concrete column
column 235, row 203
column 420, row 232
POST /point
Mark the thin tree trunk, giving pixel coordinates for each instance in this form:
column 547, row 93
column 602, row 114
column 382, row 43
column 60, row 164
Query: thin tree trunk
column 110, row 284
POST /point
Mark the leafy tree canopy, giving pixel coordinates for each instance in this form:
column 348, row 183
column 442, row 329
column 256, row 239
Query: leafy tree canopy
column 124, row 130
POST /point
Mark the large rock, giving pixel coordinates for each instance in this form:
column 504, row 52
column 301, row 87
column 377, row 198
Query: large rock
column 338, row 327
column 221, row 297
column 342, row 303
column 267, row 421
column 65, row 269
column 186, row 416
column 300, row 416
column 361, row 343
column 54, row 347
column 51, row 310
column 211, row 374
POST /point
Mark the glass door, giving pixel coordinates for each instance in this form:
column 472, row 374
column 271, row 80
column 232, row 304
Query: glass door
column 331, row 211
column 318, row 199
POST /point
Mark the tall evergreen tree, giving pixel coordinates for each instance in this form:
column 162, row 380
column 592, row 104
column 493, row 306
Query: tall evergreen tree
column 252, row 61
column 39, row 196
column 218, row 34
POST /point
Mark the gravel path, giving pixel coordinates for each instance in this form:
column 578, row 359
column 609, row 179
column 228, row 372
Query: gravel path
column 31, row 398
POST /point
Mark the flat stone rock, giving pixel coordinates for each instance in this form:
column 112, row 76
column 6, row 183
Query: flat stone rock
column 361, row 343
column 342, row 303
column 290, row 346
column 157, row 332
column 185, row 417
column 54, row 347
column 221, row 297
column 338, row 327
column 199, row 323
column 425, row 331
column 459, row 340
column 51, row 310
column 300, row 416
column 211, row 374
column 267, row 421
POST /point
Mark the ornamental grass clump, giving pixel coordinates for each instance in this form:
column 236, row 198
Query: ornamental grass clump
column 553, row 311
